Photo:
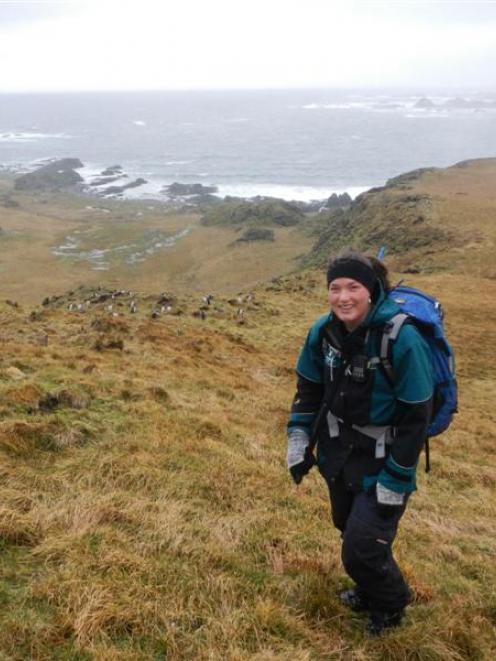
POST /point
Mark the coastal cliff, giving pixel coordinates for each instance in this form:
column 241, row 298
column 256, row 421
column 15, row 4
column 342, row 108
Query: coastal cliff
column 424, row 218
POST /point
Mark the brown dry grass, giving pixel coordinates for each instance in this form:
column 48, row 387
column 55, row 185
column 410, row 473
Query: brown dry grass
column 464, row 203
column 202, row 261
column 156, row 519
column 148, row 514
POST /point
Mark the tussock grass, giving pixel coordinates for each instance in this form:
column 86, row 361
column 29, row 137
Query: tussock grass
column 145, row 507
column 148, row 514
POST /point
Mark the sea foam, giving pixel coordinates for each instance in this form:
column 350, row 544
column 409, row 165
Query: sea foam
column 298, row 193
column 30, row 136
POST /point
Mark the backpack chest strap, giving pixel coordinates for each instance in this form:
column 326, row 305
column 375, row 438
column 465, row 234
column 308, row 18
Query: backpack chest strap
column 381, row 434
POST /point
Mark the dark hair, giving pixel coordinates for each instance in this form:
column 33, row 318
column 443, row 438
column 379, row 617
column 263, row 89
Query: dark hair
column 381, row 272
column 379, row 268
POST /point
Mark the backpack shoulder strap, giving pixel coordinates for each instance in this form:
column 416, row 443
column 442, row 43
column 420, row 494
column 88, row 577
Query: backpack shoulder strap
column 389, row 334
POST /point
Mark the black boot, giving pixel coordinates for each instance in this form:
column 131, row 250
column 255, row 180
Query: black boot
column 354, row 599
column 379, row 621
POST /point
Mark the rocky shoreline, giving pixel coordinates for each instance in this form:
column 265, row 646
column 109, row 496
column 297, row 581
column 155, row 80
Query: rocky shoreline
column 61, row 175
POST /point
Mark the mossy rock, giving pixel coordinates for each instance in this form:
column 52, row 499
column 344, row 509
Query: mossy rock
column 263, row 212
column 257, row 234
column 53, row 176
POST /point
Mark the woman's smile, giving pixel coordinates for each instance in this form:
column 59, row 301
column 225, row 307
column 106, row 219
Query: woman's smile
column 349, row 301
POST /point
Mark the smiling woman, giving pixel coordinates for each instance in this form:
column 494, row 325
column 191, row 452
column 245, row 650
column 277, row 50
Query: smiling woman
column 369, row 430
column 351, row 284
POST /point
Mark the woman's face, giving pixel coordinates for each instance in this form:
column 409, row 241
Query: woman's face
column 349, row 301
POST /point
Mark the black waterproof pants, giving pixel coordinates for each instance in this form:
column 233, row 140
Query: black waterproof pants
column 366, row 551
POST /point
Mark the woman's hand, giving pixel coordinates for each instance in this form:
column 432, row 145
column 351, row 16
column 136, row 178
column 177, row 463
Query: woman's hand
column 299, row 458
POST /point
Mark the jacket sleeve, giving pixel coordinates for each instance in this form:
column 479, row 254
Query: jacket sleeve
column 310, row 381
column 414, row 392
column 306, row 404
column 411, row 432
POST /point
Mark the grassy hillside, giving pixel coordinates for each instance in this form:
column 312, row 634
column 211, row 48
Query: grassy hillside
column 117, row 244
column 430, row 220
column 145, row 508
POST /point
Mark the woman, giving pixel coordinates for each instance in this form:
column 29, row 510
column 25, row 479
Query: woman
column 369, row 433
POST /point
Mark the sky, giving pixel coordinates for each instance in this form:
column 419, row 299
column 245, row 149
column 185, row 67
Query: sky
column 70, row 45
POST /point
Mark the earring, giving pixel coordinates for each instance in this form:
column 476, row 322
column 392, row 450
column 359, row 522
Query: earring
column 370, row 300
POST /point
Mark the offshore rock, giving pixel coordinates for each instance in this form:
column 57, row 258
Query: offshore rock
column 424, row 103
column 52, row 176
column 117, row 190
column 338, row 201
column 112, row 170
column 106, row 180
column 180, row 190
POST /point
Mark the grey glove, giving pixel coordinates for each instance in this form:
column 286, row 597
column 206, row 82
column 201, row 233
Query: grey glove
column 389, row 502
column 300, row 459
column 387, row 496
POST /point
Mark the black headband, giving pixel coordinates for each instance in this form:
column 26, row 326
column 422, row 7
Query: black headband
column 354, row 269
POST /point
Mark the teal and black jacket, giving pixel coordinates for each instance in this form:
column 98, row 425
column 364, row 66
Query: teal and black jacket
column 341, row 371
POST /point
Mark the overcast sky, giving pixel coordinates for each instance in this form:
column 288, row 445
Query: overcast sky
column 202, row 44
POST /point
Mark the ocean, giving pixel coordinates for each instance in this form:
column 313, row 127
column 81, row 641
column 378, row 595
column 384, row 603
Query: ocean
column 293, row 144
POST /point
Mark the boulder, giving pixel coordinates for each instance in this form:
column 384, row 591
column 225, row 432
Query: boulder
column 337, row 201
column 52, row 176
column 111, row 171
column 257, row 234
column 424, row 104
column 180, row 190
column 106, row 180
column 458, row 102
column 117, row 190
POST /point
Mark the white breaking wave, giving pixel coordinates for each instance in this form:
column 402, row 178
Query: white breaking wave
column 139, row 122
column 373, row 105
column 337, row 106
column 154, row 188
column 30, row 136
column 90, row 171
column 423, row 114
column 299, row 193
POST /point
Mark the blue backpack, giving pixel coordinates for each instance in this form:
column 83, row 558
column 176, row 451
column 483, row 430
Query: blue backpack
column 426, row 313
